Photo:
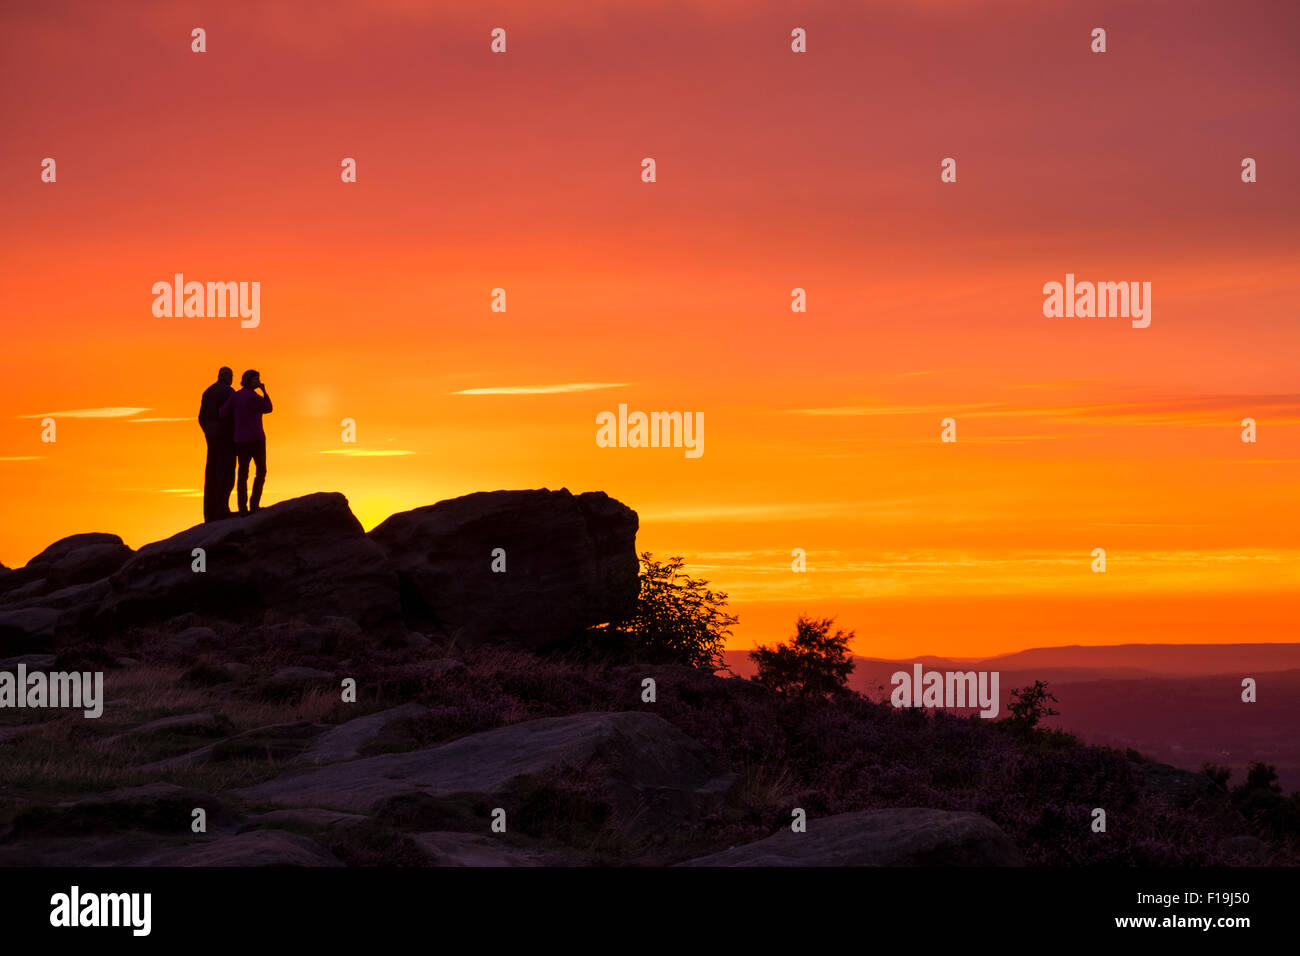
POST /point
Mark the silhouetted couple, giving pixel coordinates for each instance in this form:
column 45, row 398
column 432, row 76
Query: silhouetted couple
column 232, row 424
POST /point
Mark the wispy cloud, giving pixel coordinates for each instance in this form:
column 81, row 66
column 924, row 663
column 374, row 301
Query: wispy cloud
column 369, row 453
column 874, row 410
column 541, row 389
column 1210, row 410
column 801, row 511
column 995, row 439
column 186, row 419
column 1257, row 461
column 22, row 458
column 110, row 412
column 1062, row 385
column 855, row 575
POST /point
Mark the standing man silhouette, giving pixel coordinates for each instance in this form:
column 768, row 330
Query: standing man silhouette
column 219, row 471
column 246, row 408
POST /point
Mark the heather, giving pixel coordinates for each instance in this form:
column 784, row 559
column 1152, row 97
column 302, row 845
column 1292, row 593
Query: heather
column 845, row 753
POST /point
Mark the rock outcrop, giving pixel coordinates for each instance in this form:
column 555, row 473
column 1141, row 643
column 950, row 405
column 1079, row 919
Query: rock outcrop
column 648, row 768
column 307, row 557
column 570, row 562
column 27, row 628
column 77, row 559
column 161, row 807
column 254, row 848
column 344, row 741
column 895, row 837
column 57, row 592
column 476, row 849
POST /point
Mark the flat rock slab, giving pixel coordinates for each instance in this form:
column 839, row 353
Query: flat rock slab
column 344, row 742
column 179, row 723
column 190, row 638
column 187, row 725
column 294, row 676
column 27, row 629
column 253, row 848
column 307, row 817
column 33, row 662
column 84, row 849
column 894, row 837
column 278, row 742
column 645, row 759
column 161, row 807
column 445, row 848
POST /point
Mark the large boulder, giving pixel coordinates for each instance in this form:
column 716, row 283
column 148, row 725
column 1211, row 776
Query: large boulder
column 27, row 629
column 479, row 849
column 77, row 559
column 344, row 741
column 161, row 807
column 647, row 767
column 895, row 837
column 39, row 622
column 254, row 848
column 570, row 563
column 306, row 557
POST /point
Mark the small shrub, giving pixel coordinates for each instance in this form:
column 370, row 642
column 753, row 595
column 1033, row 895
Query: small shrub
column 1029, row 705
column 677, row 620
column 816, row 663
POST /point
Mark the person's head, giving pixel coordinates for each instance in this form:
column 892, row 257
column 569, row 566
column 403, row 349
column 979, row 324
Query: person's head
column 225, row 376
column 250, row 379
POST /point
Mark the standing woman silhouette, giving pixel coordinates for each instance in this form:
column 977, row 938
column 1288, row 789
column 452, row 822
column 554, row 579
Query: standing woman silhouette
column 246, row 408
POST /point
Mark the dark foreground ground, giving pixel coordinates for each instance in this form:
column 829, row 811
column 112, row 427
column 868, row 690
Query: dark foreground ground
column 248, row 725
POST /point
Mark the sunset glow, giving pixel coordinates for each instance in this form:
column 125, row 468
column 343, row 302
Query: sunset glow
column 775, row 172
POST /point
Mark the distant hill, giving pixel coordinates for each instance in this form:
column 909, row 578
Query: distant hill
column 1179, row 703
column 1076, row 662
column 1174, row 660
column 1191, row 721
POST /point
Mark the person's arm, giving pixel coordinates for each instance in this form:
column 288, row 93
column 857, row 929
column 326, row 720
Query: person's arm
column 266, row 400
column 227, row 409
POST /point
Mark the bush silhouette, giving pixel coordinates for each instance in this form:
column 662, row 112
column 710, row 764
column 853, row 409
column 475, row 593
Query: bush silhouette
column 1218, row 775
column 1269, row 815
column 815, row 663
column 677, row 619
column 1029, row 705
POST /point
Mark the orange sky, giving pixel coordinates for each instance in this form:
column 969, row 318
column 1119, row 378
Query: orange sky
column 775, row 170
